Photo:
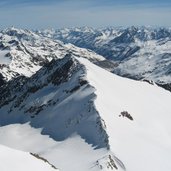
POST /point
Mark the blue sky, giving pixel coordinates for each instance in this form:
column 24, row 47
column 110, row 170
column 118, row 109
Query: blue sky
column 96, row 13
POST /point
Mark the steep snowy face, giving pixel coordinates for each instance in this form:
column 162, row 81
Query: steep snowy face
column 141, row 53
column 14, row 160
column 137, row 118
column 23, row 52
column 59, row 99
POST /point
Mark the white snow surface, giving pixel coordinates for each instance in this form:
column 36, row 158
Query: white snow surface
column 72, row 154
column 3, row 59
column 145, row 142
column 14, row 160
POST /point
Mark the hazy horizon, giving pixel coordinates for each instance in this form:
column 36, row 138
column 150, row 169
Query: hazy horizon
column 42, row 14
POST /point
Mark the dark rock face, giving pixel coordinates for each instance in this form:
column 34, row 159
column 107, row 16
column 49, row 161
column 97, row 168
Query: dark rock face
column 61, row 74
column 165, row 86
column 43, row 159
column 2, row 81
column 55, row 72
column 127, row 115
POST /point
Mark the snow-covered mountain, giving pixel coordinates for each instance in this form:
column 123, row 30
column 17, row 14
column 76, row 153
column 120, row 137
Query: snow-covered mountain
column 23, row 52
column 139, row 52
column 96, row 120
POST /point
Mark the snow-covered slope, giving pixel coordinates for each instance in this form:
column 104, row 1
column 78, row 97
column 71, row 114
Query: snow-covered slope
column 97, row 120
column 71, row 154
column 140, row 52
column 14, row 160
column 141, row 140
column 23, row 52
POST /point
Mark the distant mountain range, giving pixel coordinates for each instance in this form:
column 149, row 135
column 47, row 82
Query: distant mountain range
column 139, row 52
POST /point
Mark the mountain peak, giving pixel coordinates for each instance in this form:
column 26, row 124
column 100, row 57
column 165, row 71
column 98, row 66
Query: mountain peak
column 64, row 79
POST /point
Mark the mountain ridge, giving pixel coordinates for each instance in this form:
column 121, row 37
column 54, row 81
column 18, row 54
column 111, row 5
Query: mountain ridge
column 135, row 50
column 105, row 110
column 23, row 52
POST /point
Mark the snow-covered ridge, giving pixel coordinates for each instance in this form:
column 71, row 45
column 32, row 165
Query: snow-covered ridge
column 136, row 115
column 116, row 120
column 53, row 89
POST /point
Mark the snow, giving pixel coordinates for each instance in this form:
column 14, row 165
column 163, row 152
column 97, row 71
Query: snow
column 152, row 62
column 28, row 52
column 83, row 52
column 3, row 59
column 71, row 126
column 72, row 154
column 14, row 160
column 145, row 142
column 140, row 52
